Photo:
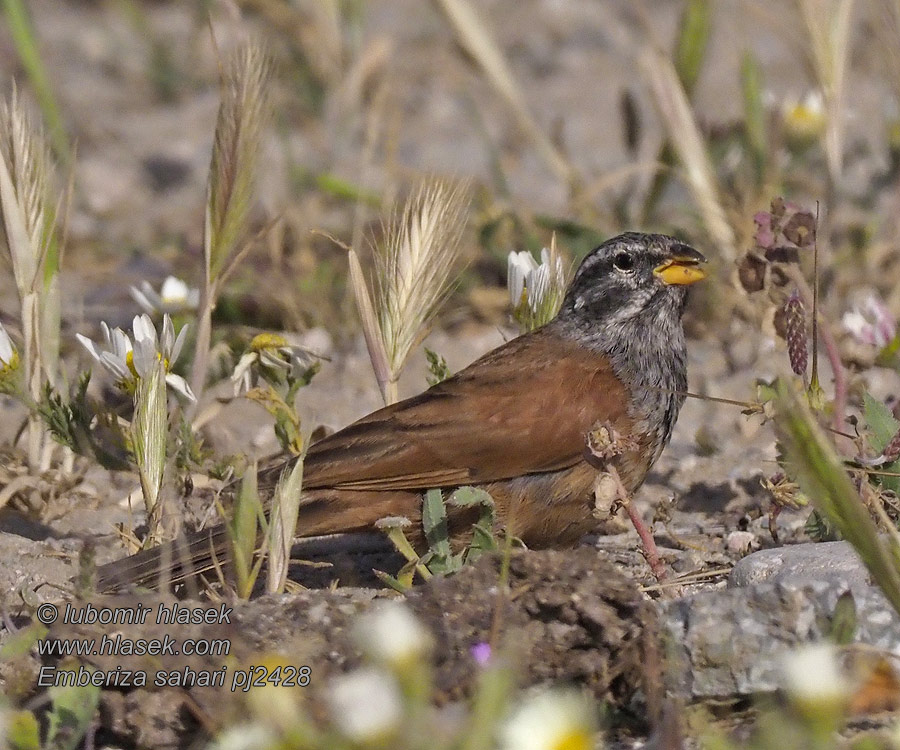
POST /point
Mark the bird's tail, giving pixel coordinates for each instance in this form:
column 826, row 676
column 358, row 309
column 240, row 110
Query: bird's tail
column 322, row 512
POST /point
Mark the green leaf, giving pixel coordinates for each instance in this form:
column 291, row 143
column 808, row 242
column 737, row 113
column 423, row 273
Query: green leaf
column 693, row 37
column 21, row 642
column 754, row 112
column 482, row 541
column 72, row 711
column 404, row 580
column 882, row 428
column 244, row 527
column 437, row 367
column 466, row 496
column 388, row 580
column 880, row 422
column 844, row 621
column 22, row 731
column 434, row 521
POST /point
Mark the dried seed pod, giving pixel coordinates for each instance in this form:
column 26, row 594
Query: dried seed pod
column 891, row 451
column 605, row 442
column 752, row 273
column 801, row 229
column 795, row 334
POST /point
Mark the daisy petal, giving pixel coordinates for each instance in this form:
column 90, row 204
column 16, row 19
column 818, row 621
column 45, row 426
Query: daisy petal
column 145, row 297
column 116, row 365
column 89, row 345
column 179, row 384
column 179, row 343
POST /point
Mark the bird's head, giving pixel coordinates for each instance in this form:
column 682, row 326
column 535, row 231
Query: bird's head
column 632, row 275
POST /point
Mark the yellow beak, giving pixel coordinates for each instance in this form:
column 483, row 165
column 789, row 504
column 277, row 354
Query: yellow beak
column 681, row 270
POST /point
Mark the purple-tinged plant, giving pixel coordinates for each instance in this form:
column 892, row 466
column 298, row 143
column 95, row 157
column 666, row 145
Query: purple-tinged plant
column 871, row 323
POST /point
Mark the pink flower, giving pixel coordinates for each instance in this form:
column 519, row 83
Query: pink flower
column 871, row 324
column 481, row 653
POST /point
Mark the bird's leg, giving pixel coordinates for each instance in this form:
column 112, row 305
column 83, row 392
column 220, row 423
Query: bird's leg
column 651, row 553
column 605, row 442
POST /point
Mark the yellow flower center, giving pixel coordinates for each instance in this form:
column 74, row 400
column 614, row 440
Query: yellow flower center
column 13, row 364
column 804, row 122
column 576, row 739
column 264, row 341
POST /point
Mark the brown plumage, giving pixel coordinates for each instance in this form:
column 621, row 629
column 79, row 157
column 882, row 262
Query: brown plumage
column 514, row 422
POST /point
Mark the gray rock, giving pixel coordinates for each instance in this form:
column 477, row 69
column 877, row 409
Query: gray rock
column 29, row 564
column 801, row 563
column 730, row 643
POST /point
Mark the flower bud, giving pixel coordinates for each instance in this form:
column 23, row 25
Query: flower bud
column 795, row 334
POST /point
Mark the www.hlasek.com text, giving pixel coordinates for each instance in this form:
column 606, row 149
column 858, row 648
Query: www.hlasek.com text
column 118, row 645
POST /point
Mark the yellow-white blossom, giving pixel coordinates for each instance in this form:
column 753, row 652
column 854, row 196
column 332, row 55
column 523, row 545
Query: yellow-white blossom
column 129, row 361
column 390, row 634
column 272, row 351
column 245, row 736
column 551, row 720
column 812, row 675
column 804, row 119
column 115, row 354
column 174, row 296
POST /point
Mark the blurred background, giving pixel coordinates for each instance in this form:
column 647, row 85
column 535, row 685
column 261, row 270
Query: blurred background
column 557, row 109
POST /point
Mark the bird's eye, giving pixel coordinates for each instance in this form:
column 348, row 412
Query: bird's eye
column 624, row 262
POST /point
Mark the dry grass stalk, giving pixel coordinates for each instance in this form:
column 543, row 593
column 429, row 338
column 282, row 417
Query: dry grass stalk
column 474, row 36
column 828, row 25
column 681, row 126
column 148, row 440
column 282, row 526
column 371, row 329
column 243, row 114
column 28, row 226
column 413, row 268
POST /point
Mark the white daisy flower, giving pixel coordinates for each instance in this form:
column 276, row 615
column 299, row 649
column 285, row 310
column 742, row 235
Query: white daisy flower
column 174, row 296
column 519, row 267
column 551, row 720
column 9, row 357
column 390, row 634
column 804, row 119
column 812, row 675
column 246, row 737
column 127, row 361
column 115, row 355
column 366, row 706
column 272, row 351
column 536, row 290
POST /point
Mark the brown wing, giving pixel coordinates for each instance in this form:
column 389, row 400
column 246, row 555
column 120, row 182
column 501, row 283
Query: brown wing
column 523, row 408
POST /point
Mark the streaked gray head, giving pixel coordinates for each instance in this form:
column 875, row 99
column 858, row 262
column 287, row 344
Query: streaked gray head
column 632, row 275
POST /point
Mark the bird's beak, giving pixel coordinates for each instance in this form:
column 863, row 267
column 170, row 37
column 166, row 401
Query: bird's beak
column 682, row 268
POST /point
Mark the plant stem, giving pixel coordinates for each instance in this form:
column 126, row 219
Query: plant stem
column 201, row 346
column 831, row 350
column 390, row 391
column 651, row 553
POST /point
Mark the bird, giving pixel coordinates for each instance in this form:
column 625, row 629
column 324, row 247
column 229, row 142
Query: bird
column 514, row 423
